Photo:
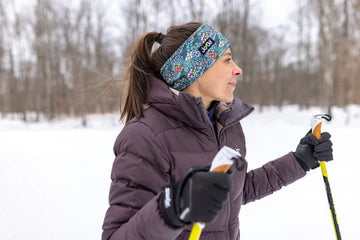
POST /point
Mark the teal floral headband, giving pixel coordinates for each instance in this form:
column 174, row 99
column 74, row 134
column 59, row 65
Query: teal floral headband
column 194, row 57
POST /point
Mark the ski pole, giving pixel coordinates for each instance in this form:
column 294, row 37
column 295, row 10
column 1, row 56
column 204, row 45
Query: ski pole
column 316, row 123
column 221, row 163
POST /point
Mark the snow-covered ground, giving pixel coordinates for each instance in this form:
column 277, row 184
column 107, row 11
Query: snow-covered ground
column 54, row 177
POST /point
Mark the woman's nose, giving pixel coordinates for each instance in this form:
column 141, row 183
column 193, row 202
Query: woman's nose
column 237, row 71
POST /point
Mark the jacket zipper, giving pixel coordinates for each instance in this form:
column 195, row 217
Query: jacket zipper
column 228, row 205
column 227, row 230
column 217, row 138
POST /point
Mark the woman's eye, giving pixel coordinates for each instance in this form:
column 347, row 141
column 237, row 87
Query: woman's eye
column 228, row 60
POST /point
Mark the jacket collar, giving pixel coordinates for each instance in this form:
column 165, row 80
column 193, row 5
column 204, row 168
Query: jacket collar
column 190, row 110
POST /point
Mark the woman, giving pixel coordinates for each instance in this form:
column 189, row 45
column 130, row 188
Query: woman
column 179, row 112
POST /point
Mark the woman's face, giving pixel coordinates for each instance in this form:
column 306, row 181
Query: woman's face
column 218, row 82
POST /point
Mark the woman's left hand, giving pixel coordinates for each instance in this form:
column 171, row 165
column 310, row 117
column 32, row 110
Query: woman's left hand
column 312, row 150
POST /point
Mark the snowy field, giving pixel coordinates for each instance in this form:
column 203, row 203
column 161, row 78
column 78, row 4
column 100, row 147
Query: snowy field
column 55, row 177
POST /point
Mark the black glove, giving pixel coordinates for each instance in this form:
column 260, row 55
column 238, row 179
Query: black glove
column 198, row 197
column 312, row 150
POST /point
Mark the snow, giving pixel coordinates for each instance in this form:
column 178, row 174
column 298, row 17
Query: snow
column 55, row 177
column 300, row 210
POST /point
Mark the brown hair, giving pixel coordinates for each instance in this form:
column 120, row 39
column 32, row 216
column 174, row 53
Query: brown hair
column 143, row 63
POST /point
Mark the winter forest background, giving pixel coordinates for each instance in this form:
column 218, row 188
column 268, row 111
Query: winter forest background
column 57, row 57
column 61, row 63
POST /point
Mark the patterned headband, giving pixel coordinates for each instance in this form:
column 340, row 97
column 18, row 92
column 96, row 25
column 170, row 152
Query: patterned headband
column 194, row 57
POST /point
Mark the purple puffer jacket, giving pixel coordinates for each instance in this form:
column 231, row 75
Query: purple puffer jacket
column 174, row 135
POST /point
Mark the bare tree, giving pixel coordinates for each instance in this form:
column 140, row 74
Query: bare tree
column 3, row 83
column 70, row 53
column 326, row 16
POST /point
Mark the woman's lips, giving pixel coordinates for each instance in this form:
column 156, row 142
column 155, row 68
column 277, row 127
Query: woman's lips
column 233, row 84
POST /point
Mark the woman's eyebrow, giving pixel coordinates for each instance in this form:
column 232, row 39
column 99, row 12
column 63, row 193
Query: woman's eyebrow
column 227, row 54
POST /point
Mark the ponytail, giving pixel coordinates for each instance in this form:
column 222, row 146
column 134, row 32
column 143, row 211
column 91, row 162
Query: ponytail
column 139, row 70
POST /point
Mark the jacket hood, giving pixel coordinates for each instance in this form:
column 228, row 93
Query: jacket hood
column 189, row 109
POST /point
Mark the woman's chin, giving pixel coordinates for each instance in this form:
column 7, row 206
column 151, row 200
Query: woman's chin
column 230, row 99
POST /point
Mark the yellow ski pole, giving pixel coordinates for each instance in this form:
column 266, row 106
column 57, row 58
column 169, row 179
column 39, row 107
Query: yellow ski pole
column 316, row 130
column 221, row 163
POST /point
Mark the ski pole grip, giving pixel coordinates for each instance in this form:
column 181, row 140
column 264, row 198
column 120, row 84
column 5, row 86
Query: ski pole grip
column 317, row 134
column 221, row 163
column 317, row 130
column 316, row 122
column 198, row 227
column 222, row 168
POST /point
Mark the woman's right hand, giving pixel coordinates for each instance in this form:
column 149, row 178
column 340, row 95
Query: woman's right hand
column 198, row 197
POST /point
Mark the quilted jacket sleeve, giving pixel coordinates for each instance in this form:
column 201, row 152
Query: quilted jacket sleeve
column 271, row 177
column 139, row 170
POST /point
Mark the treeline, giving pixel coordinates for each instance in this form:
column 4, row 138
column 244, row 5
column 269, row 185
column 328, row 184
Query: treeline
column 320, row 67
column 52, row 57
column 57, row 58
